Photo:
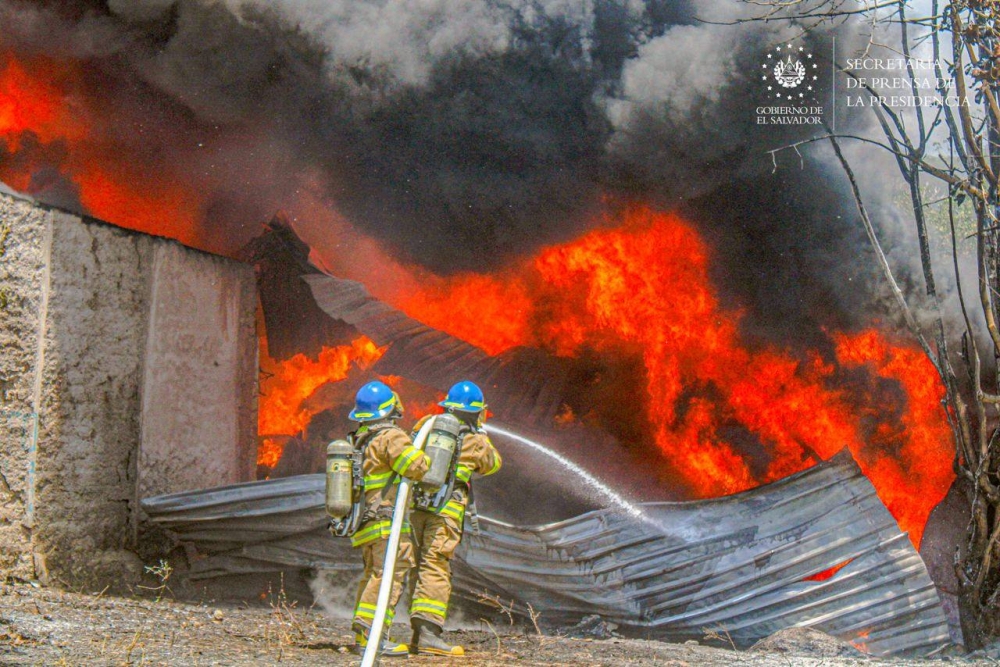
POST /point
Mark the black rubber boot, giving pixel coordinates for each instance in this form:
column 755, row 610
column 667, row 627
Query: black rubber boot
column 427, row 640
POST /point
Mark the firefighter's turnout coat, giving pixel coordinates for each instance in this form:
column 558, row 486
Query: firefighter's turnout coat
column 436, row 535
column 389, row 454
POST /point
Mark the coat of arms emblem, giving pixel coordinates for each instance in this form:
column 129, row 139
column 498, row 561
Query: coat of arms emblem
column 789, row 72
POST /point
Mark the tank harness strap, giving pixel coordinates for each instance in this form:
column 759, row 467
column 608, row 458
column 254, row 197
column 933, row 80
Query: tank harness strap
column 471, row 515
column 363, row 438
column 471, row 512
column 388, row 485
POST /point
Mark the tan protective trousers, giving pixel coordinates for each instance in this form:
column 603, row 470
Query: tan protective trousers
column 374, row 560
column 435, row 537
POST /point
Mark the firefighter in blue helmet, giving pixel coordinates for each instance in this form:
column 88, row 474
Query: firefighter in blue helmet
column 388, row 454
column 436, row 534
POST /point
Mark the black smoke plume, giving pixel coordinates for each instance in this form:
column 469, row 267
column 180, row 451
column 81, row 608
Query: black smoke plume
column 462, row 134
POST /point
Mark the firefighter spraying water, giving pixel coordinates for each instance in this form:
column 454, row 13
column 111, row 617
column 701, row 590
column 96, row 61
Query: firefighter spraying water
column 367, row 496
column 458, row 447
column 362, row 480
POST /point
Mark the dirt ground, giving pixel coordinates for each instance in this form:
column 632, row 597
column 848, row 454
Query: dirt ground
column 40, row 626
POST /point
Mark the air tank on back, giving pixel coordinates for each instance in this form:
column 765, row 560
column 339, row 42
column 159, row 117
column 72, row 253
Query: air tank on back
column 441, row 445
column 339, row 478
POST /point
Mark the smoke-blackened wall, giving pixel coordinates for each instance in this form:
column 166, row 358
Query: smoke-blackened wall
column 463, row 134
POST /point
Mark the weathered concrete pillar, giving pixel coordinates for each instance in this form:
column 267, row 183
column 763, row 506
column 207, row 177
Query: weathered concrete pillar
column 127, row 366
column 24, row 240
column 199, row 388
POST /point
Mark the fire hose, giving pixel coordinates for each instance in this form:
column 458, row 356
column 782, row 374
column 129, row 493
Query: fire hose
column 374, row 646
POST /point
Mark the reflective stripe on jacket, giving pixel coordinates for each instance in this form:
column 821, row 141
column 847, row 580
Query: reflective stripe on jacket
column 388, row 452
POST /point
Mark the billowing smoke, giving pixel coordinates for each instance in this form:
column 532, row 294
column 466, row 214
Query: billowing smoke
column 463, row 134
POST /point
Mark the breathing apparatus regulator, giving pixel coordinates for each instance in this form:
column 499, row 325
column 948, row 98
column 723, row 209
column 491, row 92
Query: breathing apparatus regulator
column 345, row 487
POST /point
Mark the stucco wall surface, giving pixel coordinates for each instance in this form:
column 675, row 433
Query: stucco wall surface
column 22, row 264
column 147, row 383
column 89, row 426
column 200, row 374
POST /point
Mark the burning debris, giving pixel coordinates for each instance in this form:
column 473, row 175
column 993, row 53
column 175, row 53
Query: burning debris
column 743, row 563
column 567, row 205
column 864, row 368
column 638, row 346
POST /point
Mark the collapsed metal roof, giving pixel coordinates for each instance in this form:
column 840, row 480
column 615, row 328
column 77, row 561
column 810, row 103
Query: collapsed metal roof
column 527, row 385
column 671, row 571
column 739, row 564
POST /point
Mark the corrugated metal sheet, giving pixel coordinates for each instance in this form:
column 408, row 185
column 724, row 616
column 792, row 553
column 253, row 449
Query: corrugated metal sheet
column 739, row 563
column 526, row 385
column 293, row 321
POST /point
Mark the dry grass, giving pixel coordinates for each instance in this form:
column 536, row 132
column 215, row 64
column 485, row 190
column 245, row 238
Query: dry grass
column 498, row 604
column 719, row 634
column 534, row 616
column 283, row 628
column 509, row 609
column 493, row 630
column 161, row 571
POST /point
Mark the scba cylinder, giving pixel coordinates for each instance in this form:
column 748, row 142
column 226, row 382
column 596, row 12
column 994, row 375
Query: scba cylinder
column 441, row 445
column 339, row 478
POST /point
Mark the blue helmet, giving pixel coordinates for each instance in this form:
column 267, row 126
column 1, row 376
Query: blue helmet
column 464, row 397
column 374, row 401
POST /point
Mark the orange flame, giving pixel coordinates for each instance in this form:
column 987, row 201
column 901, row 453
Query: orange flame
column 644, row 286
column 33, row 99
column 46, row 118
column 910, row 466
column 285, row 387
column 828, row 573
column 269, row 452
column 859, row 641
column 463, row 311
column 417, row 402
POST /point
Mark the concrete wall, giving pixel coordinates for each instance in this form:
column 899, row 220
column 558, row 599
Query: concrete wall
column 88, row 406
column 23, row 237
column 199, row 389
column 127, row 366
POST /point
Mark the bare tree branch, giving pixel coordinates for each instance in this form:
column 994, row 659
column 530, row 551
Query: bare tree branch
column 911, row 322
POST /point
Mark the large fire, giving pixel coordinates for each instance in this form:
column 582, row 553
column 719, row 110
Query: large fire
column 286, row 387
column 48, row 120
column 722, row 415
column 643, row 285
